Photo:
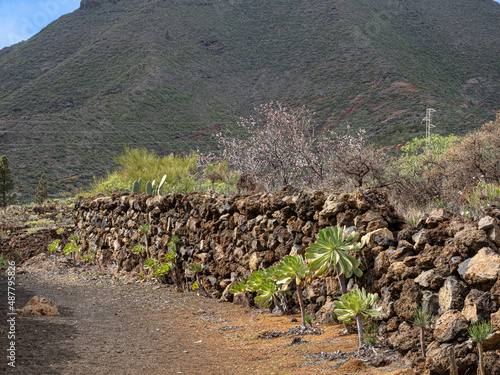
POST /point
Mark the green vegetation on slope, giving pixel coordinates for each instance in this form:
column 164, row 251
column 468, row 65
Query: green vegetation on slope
column 164, row 75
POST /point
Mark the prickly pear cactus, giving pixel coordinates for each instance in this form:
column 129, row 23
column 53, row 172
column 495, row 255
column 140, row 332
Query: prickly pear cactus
column 149, row 188
column 137, row 187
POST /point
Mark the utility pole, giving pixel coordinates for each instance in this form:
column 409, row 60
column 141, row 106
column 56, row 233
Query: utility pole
column 428, row 126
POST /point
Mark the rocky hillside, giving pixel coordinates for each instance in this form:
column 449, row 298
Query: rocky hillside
column 450, row 264
column 164, row 74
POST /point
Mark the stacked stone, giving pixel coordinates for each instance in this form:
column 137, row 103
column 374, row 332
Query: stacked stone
column 450, row 264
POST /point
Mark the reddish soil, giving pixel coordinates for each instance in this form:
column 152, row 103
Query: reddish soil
column 113, row 324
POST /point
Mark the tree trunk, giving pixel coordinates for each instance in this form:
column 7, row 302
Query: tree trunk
column 342, row 281
column 481, row 364
column 301, row 304
column 203, row 291
column 359, row 321
column 74, row 258
column 174, row 278
column 147, row 247
column 422, row 343
column 453, row 365
column 278, row 303
column 177, row 273
column 55, row 261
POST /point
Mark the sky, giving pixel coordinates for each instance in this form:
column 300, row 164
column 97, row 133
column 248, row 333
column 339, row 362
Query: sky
column 21, row 19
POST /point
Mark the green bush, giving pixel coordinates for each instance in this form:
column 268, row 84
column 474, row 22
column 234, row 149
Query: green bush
column 141, row 163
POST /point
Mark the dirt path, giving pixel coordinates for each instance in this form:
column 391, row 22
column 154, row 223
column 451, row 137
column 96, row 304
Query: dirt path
column 108, row 328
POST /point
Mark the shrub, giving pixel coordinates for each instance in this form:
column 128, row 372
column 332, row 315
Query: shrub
column 140, row 163
column 6, row 183
column 475, row 159
column 421, row 169
column 353, row 161
column 41, row 193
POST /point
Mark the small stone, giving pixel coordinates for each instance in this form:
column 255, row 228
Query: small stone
column 293, row 320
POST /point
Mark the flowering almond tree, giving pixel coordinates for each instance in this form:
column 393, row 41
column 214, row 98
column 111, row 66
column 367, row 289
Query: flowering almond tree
column 278, row 146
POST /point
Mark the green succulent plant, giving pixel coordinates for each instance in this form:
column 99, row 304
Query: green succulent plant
column 239, row 287
column 144, row 229
column 151, row 263
column 357, row 304
column 422, row 318
column 293, row 268
column 161, row 270
column 197, row 268
column 308, row 319
column 257, row 278
column 55, row 247
column 479, row 332
column 72, row 248
column 330, row 251
column 171, row 258
column 268, row 292
column 139, row 250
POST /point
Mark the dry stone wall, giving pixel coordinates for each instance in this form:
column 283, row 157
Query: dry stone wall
column 448, row 263
column 232, row 236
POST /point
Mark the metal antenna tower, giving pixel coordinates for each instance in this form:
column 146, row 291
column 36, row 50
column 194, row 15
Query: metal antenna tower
column 428, row 125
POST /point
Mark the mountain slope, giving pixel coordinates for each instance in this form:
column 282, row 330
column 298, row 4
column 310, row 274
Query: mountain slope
column 163, row 74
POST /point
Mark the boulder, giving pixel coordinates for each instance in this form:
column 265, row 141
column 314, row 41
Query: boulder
column 39, row 305
column 492, row 341
column 400, row 253
column 495, row 320
column 450, row 326
column 379, row 237
column 430, row 279
column 419, row 240
column 438, row 359
column 478, row 306
column 469, row 241
column 327, row 216
column 432, row 300
column 491, row 363
column 495, row 292
column 406, row 234
column 324, row 314
column 387, row 304
column 396, row 271
column 254, row 261
column 382, row 263
column 437, row 216
column 490, row 226
column 483, row 269
column 406, row 338
column 332, row 285
column 410, row 296
column 452, row 294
